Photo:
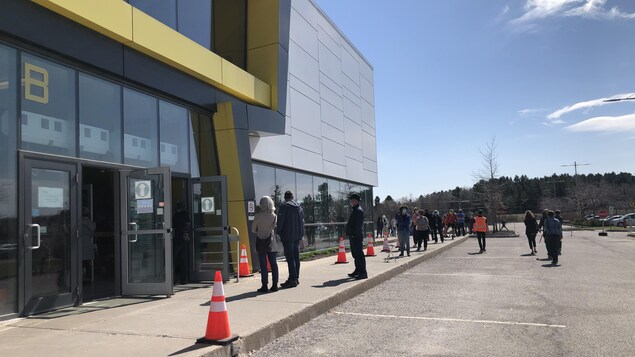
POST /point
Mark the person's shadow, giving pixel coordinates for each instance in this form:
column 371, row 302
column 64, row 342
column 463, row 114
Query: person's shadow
column 527, row 255
column 333, row 283
column 550, row 265
column 475, row 253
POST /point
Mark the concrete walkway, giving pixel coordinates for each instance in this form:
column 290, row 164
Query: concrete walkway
column 170, row 326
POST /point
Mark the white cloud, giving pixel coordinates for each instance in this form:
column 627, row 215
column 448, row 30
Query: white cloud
column 606, row 124
column 584, row 105
column 592, row 9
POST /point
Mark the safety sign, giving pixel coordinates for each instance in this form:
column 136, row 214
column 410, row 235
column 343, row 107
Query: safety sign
column 145, row 206
column 207, row 205
column 143, row 189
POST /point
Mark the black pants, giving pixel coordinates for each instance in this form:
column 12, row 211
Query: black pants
column 440, row 233
column 380, row 232
column 554, row 244
column 180, row 261
column 357, row 250
column 481, row 240
column 461, row 229
column 264, row 272
column 531, row 238
column 421, row 237
column 292, row 255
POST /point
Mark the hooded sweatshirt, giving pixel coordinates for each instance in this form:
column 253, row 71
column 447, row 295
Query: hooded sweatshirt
column 290, row 221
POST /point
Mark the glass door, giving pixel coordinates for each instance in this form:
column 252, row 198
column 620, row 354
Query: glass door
column 209, row 210
column 50, row 243
column 146, row 226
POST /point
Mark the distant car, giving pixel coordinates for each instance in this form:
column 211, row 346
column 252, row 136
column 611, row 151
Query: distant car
column 609, row 219
column 590, row 217
column 629, row 219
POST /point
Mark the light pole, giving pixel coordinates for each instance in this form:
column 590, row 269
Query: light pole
column 575, row 165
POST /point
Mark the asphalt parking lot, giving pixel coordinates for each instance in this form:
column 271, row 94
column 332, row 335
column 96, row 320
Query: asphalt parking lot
column 501, row 303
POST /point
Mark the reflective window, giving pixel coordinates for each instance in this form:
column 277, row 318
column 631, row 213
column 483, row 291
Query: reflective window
column 264, row 181
column 285, row 181
column 204, row 161
column 174, row 129
column 140, row 129
column 230, row 27
column 8, row 188
column 305, row 195
column 322, row 199
column 162, row 10
column 195, row 21
column 99, row 119
column 48, row 107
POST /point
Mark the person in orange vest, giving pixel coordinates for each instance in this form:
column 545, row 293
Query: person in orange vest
column 480, row 227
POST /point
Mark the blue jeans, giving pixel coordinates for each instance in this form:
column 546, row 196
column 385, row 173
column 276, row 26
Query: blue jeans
column 404, row 241
column 292, row 255
column 264, row 272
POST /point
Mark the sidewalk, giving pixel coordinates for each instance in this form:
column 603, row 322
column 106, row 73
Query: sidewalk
column 169, row 327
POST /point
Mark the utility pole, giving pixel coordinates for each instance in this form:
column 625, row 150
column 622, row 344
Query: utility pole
column 575, row 166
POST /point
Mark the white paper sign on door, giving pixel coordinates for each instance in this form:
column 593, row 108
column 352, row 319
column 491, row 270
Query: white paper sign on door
column 50, row 197
column 143, row 189
column 207, row 205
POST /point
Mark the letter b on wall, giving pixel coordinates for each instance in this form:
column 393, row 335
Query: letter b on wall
column 36, row 83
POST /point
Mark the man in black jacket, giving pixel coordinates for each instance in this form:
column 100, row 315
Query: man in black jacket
column 355, row 233
column 291, row 229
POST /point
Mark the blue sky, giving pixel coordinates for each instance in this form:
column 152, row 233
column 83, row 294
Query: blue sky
column 450, row 75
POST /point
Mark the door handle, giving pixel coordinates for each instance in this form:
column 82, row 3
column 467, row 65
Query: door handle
column 39, row 240
column 135, row 227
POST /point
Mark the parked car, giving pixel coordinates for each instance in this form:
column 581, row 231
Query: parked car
column 610, row 218
column 629, row 219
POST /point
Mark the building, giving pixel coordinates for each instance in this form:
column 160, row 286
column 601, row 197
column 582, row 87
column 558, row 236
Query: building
column 124, row 123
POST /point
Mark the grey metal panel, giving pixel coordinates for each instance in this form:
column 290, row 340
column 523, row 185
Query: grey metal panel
column 284, row 21
column 265, row 120
column 29, row 22
column 149, row 72
column 283, row 76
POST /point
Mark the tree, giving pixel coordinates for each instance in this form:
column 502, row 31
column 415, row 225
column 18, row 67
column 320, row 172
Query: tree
column 489, row 189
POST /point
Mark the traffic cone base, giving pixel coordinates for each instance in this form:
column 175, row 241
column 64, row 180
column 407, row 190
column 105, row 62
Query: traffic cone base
column 370, row 249
column 386, row 247
column 341, row 254
column 218, row 331
column 243, row 265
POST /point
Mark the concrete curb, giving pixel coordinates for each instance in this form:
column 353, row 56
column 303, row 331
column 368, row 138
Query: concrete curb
column 270, row 333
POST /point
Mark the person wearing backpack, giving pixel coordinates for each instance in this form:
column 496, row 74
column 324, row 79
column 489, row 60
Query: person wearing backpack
column 553, row 236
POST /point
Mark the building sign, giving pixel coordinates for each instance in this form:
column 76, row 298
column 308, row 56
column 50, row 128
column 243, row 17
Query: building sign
column 50, row 197
column 207, row 205
column 143, row 190
column 251, row 210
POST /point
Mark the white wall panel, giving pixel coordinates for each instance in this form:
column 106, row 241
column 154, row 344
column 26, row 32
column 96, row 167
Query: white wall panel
column 303, row 34
column 335, row 86
column 300, row 86
column 369, row 146
column 331, row 96
column 305, row 114
column 367, row 91
column 330, row 42
column 306, row 141
column 332, row 116
column 350, row 66
column 330, row 65
column 371, row 178
column 368, row 114
column 353, row 133
column 370, row 165
column 335, row 170
column 354, row 170
column 354, row 153
column 273, row 149
column 307, row 160
column 354, row 92
column 352, row 111
column 332, row 133
column 303, row 66
column 333, row 152
column 307, row 10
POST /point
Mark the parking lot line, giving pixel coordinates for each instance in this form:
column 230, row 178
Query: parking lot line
column 451, row 320
column 472, row 275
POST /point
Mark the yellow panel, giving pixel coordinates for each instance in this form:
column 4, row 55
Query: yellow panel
column 263, row 63
column 112, row 18
column 238, row 218
column 262, row 27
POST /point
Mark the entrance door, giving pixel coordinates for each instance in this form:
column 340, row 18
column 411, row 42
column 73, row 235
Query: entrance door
column 211, row 246
column 50, row 244
column 146, row 226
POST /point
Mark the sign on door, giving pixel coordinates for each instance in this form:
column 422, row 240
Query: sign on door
column 143, row 189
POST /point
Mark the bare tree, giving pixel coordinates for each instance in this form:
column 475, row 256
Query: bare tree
column 488, row 188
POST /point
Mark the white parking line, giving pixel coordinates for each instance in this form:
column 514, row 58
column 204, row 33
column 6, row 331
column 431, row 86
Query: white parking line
column 451, row 320
column 480, row 256
column 472, row 275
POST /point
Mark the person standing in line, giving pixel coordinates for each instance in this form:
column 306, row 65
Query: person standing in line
column 264, row 225
column 386, row 226
column 531, row 230
column 291, row 229
column 428, row 215
column 380, row 227
column 480, row 227
column 403, row 230
column 553, row 236
column 422, row 230
column 470, row 222
column 413, row 228
column 393, row 227
column 559, row 217
column 540, row 227
column 355, row 233
column 460, row 217
column 437, row 227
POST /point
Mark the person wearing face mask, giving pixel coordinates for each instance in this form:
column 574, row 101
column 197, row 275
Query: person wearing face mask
column 436, row 226
column 403, row 230
column 355, row 233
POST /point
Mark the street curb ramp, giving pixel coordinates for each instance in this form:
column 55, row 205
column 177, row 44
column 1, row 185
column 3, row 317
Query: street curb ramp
column 258, row 339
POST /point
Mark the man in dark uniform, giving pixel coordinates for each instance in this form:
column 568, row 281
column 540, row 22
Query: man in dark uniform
column 355, row 233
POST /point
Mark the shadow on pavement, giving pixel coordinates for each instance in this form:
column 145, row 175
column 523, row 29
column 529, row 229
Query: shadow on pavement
column 247, row 295
column 543, row 259
column 550, row 265
column 475, row 253
column 527, row 255
column 189, row 349
column 332, row 283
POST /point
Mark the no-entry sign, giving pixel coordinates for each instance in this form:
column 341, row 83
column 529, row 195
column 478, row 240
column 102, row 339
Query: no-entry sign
column 603, row 213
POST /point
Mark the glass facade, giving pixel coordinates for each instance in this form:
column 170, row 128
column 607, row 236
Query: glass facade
column 174, row 125
column 8, row 182
column 325, row 202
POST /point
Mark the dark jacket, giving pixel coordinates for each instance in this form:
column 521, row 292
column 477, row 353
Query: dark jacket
column 531, row 226
column 542, row 221
column 380, row 222
column 290, row 221
column 355, row 224
column 553, row 227
column 435, row 222
column 403, row 222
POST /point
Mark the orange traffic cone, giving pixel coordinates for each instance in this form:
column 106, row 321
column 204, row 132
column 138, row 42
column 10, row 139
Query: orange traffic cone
column 341, row 253
column 243, row 266
column 268, row 265
column 386, row 247
column 217, row 331
column 370, row 249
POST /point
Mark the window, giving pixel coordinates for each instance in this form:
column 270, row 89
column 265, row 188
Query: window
column 195, row 21
column 285, row 181
column 174, row 128
column 162, row 10
column 140, row 127
column 305, row 195
column 48, row 95
column 8, row 181
column 99, row 111
column 202, row 146
column 264, row 181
